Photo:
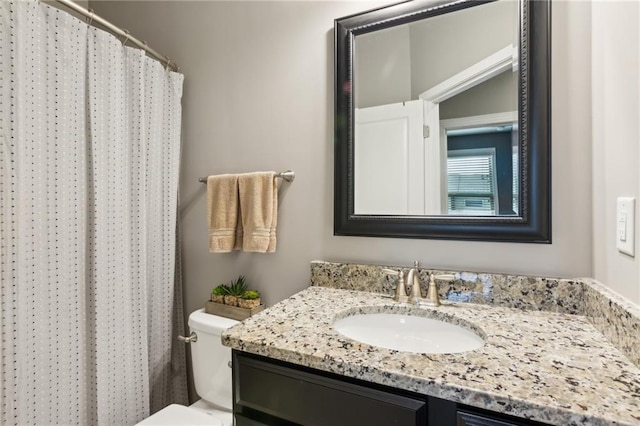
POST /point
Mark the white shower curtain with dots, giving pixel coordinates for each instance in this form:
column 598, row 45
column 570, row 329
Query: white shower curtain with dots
column 89, row 158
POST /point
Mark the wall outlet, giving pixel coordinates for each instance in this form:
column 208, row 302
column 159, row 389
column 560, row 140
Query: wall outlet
column 625, row 225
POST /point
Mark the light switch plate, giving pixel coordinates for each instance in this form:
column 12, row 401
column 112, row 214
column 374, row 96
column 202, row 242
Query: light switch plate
column 625, row 225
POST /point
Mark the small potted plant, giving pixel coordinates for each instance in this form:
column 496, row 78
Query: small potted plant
column 249, row 299
column 236, row 288
column 217, row 294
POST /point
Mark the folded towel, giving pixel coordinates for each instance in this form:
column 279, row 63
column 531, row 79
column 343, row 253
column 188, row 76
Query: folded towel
column 222, row 209
column 259, row 211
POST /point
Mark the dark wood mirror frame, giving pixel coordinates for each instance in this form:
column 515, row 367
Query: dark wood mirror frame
column 533, row 225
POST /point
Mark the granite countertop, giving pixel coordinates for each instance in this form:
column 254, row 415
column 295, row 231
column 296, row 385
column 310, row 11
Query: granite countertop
column 550, row 367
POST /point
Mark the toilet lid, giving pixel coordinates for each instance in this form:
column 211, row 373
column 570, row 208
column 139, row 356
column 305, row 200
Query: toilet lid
column 176, row 414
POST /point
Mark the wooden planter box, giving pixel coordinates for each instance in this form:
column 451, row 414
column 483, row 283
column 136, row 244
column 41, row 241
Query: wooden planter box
column 233, row 312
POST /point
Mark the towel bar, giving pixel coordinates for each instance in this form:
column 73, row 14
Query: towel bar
column 289, row 176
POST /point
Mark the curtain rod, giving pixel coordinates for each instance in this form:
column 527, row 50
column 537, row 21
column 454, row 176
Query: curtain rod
column 121, row 32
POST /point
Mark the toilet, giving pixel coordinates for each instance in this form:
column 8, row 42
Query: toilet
column 211, row 362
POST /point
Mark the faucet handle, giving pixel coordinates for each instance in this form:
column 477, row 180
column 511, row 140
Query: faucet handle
column 401, row 289
column 444, row 277
column 433, row 298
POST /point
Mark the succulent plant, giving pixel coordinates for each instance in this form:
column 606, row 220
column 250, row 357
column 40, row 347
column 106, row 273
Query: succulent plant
column 249, row 299
column 250, row 294
column 237, row 287
column 220, row 290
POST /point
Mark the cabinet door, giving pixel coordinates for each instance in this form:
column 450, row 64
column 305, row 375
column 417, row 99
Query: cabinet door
column 312, row 399
column 244, row 421
column 468, row 419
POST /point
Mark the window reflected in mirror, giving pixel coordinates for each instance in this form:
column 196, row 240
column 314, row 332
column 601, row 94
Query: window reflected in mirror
column 482, row 171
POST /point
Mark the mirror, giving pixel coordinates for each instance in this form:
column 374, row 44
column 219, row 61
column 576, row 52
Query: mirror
column 442, row 121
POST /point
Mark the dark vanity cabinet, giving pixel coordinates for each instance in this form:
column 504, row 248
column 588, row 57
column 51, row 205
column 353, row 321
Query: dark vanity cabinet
column 271, row 392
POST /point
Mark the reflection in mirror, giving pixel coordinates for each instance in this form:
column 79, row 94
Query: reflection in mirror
column 481, row 172
column 442, row 125
column 436, row 115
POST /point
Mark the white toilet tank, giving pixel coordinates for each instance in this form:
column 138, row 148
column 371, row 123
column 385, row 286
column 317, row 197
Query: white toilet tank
column 211, row 360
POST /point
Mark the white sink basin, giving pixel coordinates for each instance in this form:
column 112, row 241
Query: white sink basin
column 408, row 333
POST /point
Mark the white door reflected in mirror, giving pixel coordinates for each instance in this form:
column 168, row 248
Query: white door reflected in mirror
column 389, row 160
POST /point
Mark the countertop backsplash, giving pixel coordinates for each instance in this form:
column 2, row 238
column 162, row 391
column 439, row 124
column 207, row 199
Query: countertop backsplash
column 615, row 317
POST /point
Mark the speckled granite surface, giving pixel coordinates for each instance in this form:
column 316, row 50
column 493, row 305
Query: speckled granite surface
column 554, row 368
column 615, row 317
column 512, row 291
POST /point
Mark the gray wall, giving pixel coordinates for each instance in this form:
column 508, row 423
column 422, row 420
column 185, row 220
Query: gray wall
column 457, row 41
column 259, row 95
column 498, row 94
column 399, row 63
column 383, row 67
column 616, row 135
column 444, row 46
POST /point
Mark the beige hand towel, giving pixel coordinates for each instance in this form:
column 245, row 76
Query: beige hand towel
column 259, row 211
column 222, row 212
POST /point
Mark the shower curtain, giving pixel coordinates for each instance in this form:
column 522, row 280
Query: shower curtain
column 89, row 153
